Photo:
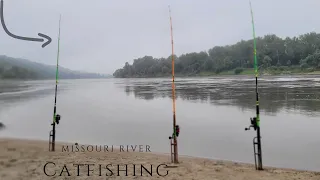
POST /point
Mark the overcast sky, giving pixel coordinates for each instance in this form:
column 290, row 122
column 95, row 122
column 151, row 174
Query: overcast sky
column 101, row 35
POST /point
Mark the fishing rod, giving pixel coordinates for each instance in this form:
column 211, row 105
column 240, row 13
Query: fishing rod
column 255, row 121
column 56, row 117
column 176, row 128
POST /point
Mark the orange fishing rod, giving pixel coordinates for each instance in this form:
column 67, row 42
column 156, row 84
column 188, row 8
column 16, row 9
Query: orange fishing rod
column 176, row 128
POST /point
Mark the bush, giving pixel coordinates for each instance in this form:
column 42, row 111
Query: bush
column 310, row 69
column 273, row 68
column 304, row 66
column 238, row 71
column 217, row 71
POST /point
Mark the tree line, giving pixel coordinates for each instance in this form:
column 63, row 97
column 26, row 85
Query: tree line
column 16, row 68
column 15, row 72
column 273, row 53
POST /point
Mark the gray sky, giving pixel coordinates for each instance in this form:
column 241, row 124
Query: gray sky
column 101, row 35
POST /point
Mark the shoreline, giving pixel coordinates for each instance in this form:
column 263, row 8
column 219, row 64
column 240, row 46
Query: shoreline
column 316, row 73
column 116, row 149
column 26, row 158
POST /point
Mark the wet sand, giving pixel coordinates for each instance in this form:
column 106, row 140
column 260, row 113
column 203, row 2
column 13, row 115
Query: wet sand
column 30, row 159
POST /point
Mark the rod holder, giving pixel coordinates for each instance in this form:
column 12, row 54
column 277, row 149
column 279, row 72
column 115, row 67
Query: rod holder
column 52, row 133
column 256, row 144
column 50, row 140
column 173, row 147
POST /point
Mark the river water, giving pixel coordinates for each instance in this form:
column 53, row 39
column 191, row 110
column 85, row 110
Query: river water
column 212, row 114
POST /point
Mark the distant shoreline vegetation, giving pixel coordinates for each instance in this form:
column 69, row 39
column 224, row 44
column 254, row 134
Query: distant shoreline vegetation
column 276, row 56
column 22, row 69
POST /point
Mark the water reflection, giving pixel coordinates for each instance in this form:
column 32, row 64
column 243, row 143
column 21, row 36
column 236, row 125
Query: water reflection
column 12, row 92
column 292, row 94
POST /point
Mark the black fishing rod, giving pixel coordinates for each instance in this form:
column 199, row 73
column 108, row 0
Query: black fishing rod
column 255, row 121
column 56, row 117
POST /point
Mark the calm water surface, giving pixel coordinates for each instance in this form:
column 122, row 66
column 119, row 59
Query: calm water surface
column 212, row 113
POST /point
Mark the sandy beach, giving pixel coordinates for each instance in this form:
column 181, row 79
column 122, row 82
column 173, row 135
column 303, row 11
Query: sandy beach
column 30, row 159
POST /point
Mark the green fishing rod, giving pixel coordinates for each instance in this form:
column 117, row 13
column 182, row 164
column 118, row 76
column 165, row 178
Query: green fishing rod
column 255, row 121
column 56, row 117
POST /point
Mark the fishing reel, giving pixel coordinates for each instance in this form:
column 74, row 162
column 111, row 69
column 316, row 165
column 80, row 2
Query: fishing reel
column 177, row 131
column 254, row 124
column 57, row 119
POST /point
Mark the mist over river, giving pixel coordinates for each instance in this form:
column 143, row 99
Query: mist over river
column 212, row 113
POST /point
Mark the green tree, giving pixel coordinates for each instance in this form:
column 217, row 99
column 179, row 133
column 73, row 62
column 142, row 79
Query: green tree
column 272, row 51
